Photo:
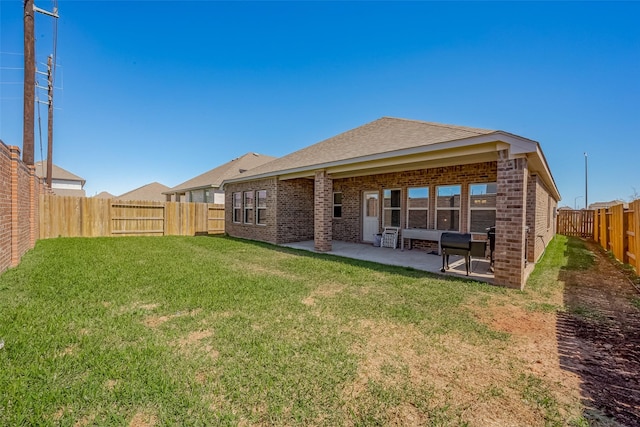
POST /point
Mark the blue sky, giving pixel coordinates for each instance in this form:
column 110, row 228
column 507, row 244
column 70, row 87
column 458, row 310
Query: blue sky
column 165, row 90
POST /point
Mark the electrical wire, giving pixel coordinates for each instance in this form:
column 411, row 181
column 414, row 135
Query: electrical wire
column 39, row 126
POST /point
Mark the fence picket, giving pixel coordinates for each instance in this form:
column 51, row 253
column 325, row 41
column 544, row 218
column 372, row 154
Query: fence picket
column 616, row 229
column 62, row 216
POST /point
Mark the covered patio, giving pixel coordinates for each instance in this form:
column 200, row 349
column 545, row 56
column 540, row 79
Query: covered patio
column 420, row 260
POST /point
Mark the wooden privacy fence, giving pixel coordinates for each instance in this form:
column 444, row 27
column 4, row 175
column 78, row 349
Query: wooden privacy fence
column 90, row 217
column 617, row 229
column 576, row 223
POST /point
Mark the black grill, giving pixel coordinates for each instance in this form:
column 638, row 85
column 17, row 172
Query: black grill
column 460, row 244
column 491, row 235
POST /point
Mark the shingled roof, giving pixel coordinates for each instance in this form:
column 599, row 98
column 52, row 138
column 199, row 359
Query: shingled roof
column 150, row 192
column 385, row 135
column 214, row 177
column 56, row 173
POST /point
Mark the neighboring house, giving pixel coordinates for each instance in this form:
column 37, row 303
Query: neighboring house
column 421, row 177
column 206, row 187
column 606, row 205
column 104, row 195
column 63, row 182
column 153, row 192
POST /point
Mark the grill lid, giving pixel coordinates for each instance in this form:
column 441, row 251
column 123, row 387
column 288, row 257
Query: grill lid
column 455, row 240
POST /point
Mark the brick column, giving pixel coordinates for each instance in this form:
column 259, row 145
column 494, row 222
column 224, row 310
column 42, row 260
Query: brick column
column 15, row 202
column 322, row 210
column 511, row 218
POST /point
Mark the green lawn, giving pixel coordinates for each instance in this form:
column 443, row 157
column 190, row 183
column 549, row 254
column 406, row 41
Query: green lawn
column 218, row 331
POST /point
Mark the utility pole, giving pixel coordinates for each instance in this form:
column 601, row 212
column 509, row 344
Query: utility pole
column 50, row 121
column 29, row 84
column 586, row 185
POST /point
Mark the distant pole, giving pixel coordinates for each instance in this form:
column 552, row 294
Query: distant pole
column 586, row 183
column 29, row 84
column 50, row 121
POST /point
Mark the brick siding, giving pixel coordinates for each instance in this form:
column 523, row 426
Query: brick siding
column 509, row 264
column 19, row 201
column 541, row 209
column 349, row 227
column 323, row 211
column 289, row 213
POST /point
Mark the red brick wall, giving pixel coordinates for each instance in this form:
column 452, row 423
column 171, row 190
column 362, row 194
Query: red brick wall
column 323, row 211
column 349, row 227
column 5, row 207
column 289, row 214
column 19, row 199
column 265, row 233
column 295, row 210
column 541, row 208
column 511, row 218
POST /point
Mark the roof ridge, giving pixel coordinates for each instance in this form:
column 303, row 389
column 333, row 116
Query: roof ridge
column 442, row 125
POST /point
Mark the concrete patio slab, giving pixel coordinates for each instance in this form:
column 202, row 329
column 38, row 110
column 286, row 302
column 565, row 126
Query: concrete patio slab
column 420, row 260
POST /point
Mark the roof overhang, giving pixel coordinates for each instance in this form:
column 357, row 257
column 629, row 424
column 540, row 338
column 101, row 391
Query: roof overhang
column 477, row 149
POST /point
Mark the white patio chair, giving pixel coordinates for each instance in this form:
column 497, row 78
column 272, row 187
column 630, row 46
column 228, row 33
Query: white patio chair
column 389, row 237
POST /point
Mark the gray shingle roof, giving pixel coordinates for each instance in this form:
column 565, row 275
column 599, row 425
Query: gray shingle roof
column 214, row 177
column 56, row 172
column 150, row 192
column 384, row 135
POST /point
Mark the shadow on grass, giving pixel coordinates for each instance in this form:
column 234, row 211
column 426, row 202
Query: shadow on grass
column 371, row 265
column 598, row 335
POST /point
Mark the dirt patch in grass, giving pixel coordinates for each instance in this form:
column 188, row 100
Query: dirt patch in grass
column 156, row 321
column 470, row 385
column 143, row 419
column 326, row 290
column 194, row 338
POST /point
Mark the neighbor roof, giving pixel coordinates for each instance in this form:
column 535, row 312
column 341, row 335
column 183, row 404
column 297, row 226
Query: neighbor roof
column 104, row 195
column 215, row 177
column 151, row 192
column 388, row 140
column 56, row 173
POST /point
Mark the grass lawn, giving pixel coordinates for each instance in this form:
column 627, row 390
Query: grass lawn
column 216, row 331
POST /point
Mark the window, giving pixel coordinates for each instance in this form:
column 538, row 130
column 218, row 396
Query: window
column 337, row 205
column 417, row 207
column 248, row 207
column 482, row 207
column 448, row 208
column 391, row 208
column 261, row 207
column 237, row 207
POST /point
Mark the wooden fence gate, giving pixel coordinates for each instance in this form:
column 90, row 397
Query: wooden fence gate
column 576, row 223
column 90, row 217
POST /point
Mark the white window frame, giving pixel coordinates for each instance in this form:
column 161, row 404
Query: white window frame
column 448, row 208
column 248, row 218
column 335, row 205
column 393, row 208
column 236, row 219
column 480, row 208
column 409, row 208
column 260, row 208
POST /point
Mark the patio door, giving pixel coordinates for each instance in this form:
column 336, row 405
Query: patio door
column 370, row 212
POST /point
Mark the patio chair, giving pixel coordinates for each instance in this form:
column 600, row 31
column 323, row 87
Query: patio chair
column 389, row 237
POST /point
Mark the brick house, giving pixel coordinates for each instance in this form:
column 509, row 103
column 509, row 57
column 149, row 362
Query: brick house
column 205, row 188
column 63, row 182
column 421, row 177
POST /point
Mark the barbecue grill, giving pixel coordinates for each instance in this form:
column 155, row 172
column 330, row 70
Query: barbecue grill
column 491, row 235
column 460, row 244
